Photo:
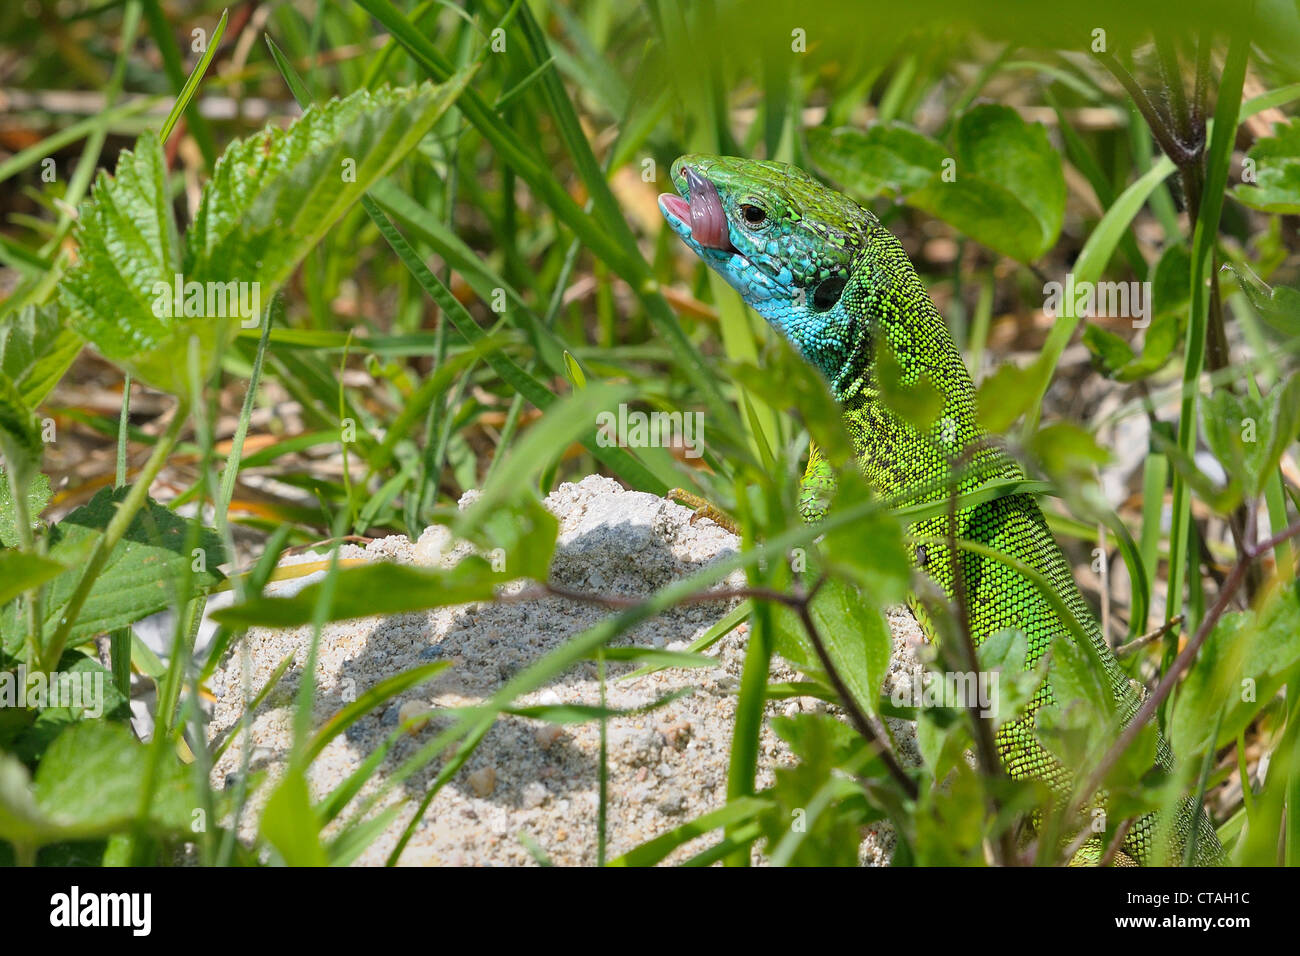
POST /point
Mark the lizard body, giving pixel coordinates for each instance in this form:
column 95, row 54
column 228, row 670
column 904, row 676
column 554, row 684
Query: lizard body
column 829, row 277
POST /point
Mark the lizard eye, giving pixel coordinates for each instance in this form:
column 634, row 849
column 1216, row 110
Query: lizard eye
column 828, row 293
column 753, row 215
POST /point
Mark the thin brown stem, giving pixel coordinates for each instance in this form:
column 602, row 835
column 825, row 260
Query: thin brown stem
column 1184, row 660
column 859, row 719
column 1140, row 642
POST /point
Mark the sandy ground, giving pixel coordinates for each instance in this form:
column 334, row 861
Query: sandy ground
column 527, row 777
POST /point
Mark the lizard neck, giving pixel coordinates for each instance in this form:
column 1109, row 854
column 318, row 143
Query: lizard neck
column 892, row 309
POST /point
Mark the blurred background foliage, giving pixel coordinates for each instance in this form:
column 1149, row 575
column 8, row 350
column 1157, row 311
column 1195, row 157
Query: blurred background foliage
column 514, row 264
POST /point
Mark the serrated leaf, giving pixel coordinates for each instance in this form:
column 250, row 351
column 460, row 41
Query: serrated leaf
column 36, row 348
column 274, row 195
column 127, row 241
column 139, row 297
column 20, row 434
column 100, row 699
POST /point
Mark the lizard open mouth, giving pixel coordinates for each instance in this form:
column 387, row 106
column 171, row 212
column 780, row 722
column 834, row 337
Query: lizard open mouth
column 701, row 211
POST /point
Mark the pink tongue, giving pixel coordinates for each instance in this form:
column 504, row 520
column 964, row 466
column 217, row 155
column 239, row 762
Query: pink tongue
column 708, row 222
column 676, row 205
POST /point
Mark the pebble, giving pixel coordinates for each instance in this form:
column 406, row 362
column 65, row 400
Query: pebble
column 534, row 795
column 547, row 735
column 483, row 781
column 413, row 708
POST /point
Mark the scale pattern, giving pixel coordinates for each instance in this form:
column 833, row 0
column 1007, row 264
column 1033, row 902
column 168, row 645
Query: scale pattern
column 812, row 234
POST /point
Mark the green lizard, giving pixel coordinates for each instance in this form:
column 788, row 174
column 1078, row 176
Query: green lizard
column 829, row 277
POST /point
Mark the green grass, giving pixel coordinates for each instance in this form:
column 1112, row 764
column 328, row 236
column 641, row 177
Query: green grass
column 494, row 275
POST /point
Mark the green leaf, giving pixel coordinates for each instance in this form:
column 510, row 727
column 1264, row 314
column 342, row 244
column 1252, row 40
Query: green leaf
column 89, row 785
column 910, row 394
column 573, row 369
column 816, row 811
column 140, row 576
column 1170, row 280
column 370, row 589
column 887, row 159
column 1007, row 394
column 99, row 700
column 20, row 571
column 274, row 195
column 1110, row 353
column 576, row 416
column 192, row 82
column 1009, row 191
column 657, row 657
column 271, row 198
column 1003, row 655
column 652, row 851
column 857, row 639
column 1000, row 184
column 1069, row 455
column 785, row 380
column 290, row 824
column 127, row 241
column 1248, row 435
column 21, row 820
column 35, row 350
column 1279, row 429
column 20, row 433
column 1244, row 662
column 38, row 496
column 870, row 552
column 1276, row 163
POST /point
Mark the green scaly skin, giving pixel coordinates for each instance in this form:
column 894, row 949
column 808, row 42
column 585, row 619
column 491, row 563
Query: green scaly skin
column 827, row 275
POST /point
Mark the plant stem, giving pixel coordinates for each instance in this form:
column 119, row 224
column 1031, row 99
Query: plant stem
column 126, row 512
column 1185, row 658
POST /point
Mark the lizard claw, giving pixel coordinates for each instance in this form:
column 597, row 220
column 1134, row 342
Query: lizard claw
column 703, row 509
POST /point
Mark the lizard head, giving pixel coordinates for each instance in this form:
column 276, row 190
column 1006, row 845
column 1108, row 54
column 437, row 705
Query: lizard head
column 784, row 241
